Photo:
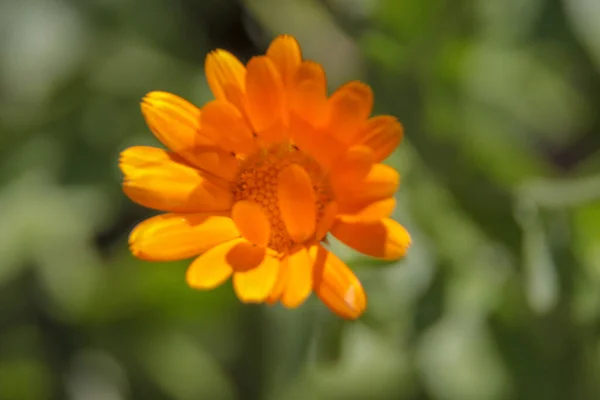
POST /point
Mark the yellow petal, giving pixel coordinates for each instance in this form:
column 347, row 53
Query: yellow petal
column 264, row 93
column 336, row 285
column 297, row 202
column 169, row 237
column 285, row 53
column 348, row 110
column 385, row 239
column 176, row 123
column 160, row 180
column 382, row 134
column 225, row 125
column 380, row 183
column 252, row 222
column 370, row 213
column 280, row 283
column 211, row 268
column 308, row 94
column 226, row 76
column 324, row 148
column 299, row 277
column 326, row 221
column 254, row 285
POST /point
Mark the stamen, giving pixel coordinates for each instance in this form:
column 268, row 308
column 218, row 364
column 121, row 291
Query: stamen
column 257, row 182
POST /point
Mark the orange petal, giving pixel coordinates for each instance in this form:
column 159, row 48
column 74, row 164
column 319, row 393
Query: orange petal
column 380, row 183
column 382, row 134
column 348, row 109
column 385, row 239
column 308, row 94
column 325, row 149
column 285, row 53
column 226, row 76
column 297, row 202
column 352, row 166
column 160, row 180
column 252, row 222
column 254, row 285
column 299, row 278
column 225, row 125
column 326, row 221
column 213, row 160
column 211, row 268
column 169, row 237
column 264, row 93
column 370, row 213
column 245, row 256
column 336, row 285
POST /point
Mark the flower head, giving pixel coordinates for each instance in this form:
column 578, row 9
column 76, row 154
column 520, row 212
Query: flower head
column 254, row 181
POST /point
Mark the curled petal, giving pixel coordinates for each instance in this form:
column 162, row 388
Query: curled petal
column 297, row 202
column 336, row 285
column 252, row 222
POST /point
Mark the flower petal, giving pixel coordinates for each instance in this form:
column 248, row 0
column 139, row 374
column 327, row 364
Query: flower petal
column 226, row 76
column 308, row 94
column 382, row 134
column 211, row 268
column 160, row 180
column 326, row 221
column 252, row 222
column 370, row 213
column 380, row 183
column 297, row 202
column 254, row 285
column 176, row 123
column 348, row 109
column 385, row 239
column 169, row 237
column 299, row 277
column 225, row 125
column 285, row 53
column 280, row 284
column 264, row 93
column 336, row 285
column 324, row 148
column 352, row 166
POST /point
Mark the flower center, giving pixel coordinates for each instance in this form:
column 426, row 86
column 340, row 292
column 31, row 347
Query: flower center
column 258, row 179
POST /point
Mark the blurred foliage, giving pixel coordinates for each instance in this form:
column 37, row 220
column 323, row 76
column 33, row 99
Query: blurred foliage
column 498, row 299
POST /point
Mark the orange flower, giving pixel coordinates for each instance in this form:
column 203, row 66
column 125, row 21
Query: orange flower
column 253, row 182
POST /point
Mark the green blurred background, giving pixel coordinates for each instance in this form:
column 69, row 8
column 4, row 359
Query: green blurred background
column 498, row 299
